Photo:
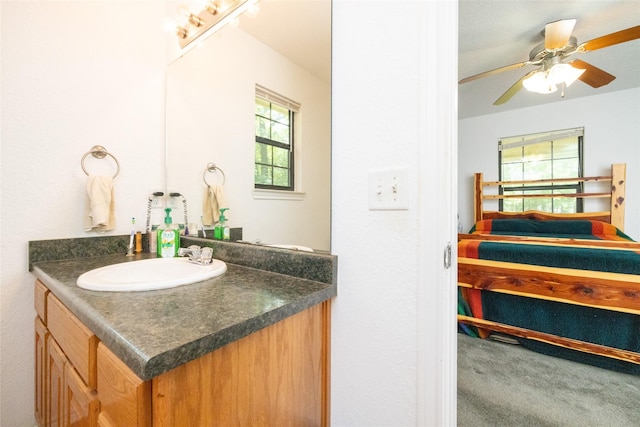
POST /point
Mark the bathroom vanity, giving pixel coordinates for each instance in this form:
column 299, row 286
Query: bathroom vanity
column 250, row 347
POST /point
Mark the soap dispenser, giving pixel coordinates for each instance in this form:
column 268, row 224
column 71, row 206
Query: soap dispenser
column 168, row 237
column 221, row 230
column 225, row 228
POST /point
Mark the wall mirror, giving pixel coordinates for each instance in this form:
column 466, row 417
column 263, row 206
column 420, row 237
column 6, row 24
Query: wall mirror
column 286, row 48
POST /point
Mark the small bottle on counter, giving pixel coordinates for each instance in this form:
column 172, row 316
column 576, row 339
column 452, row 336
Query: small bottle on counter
column 138, row 242
column 153, row 239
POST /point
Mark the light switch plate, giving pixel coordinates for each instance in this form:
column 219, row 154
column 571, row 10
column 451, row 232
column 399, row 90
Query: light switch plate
column 388, row 189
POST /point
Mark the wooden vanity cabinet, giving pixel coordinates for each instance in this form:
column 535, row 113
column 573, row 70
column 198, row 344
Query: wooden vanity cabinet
column 278, row 375
column 65, row 383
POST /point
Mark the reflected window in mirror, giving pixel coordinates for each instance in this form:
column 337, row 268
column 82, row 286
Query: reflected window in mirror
column 275, row 118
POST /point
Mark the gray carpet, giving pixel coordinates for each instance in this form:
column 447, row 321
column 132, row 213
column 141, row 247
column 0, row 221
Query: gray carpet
column 509, row 385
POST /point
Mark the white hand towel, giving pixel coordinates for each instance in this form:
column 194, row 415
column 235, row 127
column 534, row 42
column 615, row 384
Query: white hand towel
column 214, row 199
column 99, row 209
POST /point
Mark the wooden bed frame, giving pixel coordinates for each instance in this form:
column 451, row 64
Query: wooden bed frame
column 614, row 216
column 610, row 291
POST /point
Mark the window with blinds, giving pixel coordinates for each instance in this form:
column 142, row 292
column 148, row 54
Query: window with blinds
column 274, row 130
column 547, row 155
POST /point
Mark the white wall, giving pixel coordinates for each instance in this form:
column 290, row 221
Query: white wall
column 394, row 104
column 210, row 118
column 611, row 129
column 74, row 74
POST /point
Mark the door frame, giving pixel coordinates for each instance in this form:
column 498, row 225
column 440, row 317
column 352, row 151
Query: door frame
column 437, row 204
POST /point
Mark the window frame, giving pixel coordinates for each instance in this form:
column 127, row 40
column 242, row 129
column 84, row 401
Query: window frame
column 293, row 109
column 578, row 187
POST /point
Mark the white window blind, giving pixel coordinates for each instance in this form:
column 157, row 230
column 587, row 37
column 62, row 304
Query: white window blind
column 271, row 96
column 523, row 140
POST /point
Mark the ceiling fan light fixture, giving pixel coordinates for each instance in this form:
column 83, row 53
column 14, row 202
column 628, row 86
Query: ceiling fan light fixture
column 564, row 73
column 539, row 82
column 550, row 55
column 545, row 82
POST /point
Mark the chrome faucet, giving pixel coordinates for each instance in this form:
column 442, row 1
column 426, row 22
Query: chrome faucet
column 197, row 254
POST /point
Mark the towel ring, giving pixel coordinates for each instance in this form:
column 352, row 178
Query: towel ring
column 99, row 152
column 212, row 168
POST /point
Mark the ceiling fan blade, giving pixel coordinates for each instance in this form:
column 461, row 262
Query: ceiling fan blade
column 495, row 71
column 622, row 36
column 556, row 34
column 593, row 76
column 512, row 90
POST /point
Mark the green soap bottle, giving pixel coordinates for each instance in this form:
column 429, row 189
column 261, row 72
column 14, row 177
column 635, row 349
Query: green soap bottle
column 221, row 230
column 168, row 238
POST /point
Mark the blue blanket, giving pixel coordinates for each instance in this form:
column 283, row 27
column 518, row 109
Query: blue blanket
column 576, row 229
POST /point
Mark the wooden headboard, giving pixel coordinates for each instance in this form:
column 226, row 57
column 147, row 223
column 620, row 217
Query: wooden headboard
column 614, row 216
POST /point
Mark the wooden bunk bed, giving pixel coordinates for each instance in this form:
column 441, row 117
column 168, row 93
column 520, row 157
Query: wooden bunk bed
column 561, row 292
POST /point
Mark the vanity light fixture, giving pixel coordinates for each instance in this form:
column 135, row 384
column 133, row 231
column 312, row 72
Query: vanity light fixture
column 214, row 15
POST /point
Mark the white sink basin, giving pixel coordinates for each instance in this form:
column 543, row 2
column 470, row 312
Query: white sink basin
column 149, row 274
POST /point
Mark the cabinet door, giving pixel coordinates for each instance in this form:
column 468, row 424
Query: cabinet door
column 41, row 335
column 54, row 394
column 125, row 399
column 80, row 403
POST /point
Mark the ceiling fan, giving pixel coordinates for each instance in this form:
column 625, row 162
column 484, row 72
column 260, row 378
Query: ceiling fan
column 554, row 68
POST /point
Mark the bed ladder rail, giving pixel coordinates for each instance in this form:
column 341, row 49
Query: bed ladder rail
column 615, row 215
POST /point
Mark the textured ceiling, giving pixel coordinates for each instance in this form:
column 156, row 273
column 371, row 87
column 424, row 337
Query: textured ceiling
column 496, row 33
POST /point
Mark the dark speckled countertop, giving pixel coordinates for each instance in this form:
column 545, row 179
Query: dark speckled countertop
column 155, row 331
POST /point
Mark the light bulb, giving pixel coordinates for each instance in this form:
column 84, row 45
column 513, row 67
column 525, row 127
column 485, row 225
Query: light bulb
column 183, row 10
column 564, row 73
column 171, row 27
column 253, row 9
column 187, row 16
column 539, row 83
column 534, row 81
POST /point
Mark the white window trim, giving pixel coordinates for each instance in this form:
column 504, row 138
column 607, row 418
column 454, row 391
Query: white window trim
column 262, row 194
